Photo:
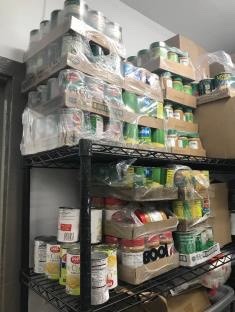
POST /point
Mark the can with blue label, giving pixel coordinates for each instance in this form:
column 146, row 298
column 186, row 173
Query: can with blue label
column 144, row 135
column 148, row 175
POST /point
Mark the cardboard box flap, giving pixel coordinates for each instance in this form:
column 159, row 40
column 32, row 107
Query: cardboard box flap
column 196, row 300
column 132, row 231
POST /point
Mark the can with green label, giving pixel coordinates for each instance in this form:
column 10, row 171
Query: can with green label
column 131, row 133
column 188, row 89
column 97, row 125
column 158, row 137
column 195, row 88
column 131, row 101
column 188, row 115
column 156, row 174
column 185, row 242
column 139, row 177
column 178, row 84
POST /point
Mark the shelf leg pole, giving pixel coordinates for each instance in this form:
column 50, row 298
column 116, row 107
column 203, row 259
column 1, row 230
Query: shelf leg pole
column 85, row 223
column 25, row 235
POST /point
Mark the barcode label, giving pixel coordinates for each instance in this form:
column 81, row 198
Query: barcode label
column 68, row 236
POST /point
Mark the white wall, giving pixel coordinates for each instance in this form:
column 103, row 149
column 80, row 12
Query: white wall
column 17, row 18
column 53, row 188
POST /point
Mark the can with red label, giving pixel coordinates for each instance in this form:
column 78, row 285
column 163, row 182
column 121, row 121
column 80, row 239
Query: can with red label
column 73, row 272
column 52, row 267
column 40, row 251
column 68, row 225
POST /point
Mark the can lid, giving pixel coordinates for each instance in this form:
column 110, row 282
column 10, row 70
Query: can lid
column 44, row 22
column 70, row 245
column 98, row 255
column 74, row 251
column 113, row 201
column 131, row 59
column 158, row 44
column 166, row 74
column 55, row 12
column 34, row 32
column 144, row 51
column 138, row 242
column 177, row 78
column 45, row 238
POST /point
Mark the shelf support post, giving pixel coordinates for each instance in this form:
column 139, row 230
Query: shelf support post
column 85, row 147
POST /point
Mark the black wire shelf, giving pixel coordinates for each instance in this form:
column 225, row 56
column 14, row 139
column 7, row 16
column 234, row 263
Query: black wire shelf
column 68, row 157
column 124, row 296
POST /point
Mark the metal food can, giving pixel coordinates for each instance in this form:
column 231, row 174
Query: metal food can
column 68, row 225
column 131, row 133
column 63, row 261
column 144, row 134
column 73, row 272
column 139, row 177
column 74, row 44
column 52, row 267
column 99, row 288
column 40, row 252
column 195, row 88
column 223, row 80
column 112, row 276
column 185, row 242
column 97, row 125
column 96, row 226
column 96, row 19
column 77, row 8
column 148, row 175
column 206, row 86
column 55, row 18
column 183, row 142
column 72, row 80
column 188, row 89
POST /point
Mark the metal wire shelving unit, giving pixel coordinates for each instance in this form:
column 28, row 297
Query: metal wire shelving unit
column 125, row 296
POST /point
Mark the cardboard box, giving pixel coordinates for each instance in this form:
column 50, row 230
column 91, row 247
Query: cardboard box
column 160, row 64
column 148, row 271
column 181, row 125
column 196, row 52
column 189, row 151
column 195, row 300
column 199, row 257
column 189, row 225
column 132, row 231
column 219, row 210
column 179, row 97
column 216, row 95
column 216, row 127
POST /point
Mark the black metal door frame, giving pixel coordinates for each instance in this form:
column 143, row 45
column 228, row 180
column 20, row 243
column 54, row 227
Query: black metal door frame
column 11, row 107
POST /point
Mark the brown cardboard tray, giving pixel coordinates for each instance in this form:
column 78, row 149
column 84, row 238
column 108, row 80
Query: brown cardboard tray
column 148, row 271
column 160, row 64
column 179, row 97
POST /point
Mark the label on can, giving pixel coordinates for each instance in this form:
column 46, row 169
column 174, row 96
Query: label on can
column 96, row 226
column 97, row 125
column 52, row 268
column 73, row 275
column 170, row 174
column 132, row 259
column 193, row 144
column 63, row 261
column 112, row 280
column 68, row 225
column 39, row 256
column 99, row 289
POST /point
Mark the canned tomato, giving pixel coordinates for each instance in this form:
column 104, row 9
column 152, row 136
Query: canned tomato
column 112, row 278
column 40, row 244
column 73, row 272
column 52, row 268
column 68, row 225
column 144, row 134
column 99, row 288
column 63, row 261
column 97, row 125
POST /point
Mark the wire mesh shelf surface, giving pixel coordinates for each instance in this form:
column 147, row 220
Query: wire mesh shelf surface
column 124, row 296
